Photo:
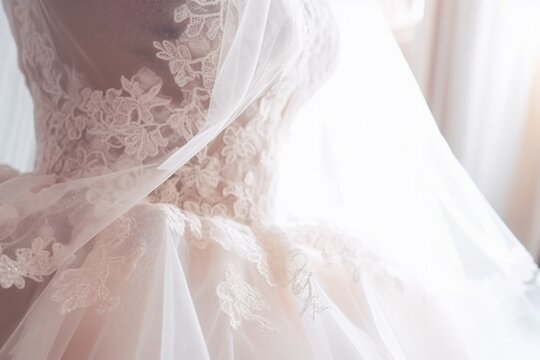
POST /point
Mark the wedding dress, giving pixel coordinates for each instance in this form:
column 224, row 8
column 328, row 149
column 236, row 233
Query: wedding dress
column 146, row 230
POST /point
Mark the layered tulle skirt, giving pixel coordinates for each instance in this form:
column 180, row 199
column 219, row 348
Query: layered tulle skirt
column 162, row 283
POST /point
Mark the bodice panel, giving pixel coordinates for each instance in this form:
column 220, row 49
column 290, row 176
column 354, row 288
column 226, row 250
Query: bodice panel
column 123, row 83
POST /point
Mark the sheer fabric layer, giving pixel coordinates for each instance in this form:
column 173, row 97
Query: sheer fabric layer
column 160, row 282
column 103, row 150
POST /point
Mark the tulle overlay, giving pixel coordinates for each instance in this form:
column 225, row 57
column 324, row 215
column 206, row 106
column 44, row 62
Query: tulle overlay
column 147, row 230
column 160, row 281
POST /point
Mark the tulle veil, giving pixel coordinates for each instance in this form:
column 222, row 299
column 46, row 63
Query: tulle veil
column 381, row 169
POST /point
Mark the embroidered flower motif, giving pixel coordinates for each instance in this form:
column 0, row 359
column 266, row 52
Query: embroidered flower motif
column 205, row 209
column 188, row 121
column 11, row 273
column 241, row 301
column 200, row 13
column 74, row 128
column 203, row 173
column 92, row 100
column 238, row 145
column 209, row 69
column 34, row 263
column 141, row 142
column 248, row 204
column 85, row 164
column 138, row 106
column 180, row 62
column 168, row 192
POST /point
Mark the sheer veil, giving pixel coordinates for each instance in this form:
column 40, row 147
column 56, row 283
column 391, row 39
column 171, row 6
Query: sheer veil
column 383, row 171
column 258, row 37
column 383, row 161
column 381, row 168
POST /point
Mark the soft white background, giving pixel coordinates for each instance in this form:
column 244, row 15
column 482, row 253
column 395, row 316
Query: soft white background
column 16, row 127
column 478, row 64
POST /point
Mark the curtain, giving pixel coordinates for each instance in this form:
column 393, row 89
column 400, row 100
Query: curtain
column 16, row 109
column 476, row 63
column 524, row 207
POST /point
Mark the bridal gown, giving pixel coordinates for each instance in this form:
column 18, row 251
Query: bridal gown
column 196, row 268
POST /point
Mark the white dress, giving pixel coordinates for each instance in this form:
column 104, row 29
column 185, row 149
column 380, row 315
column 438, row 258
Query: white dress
column 197, row 269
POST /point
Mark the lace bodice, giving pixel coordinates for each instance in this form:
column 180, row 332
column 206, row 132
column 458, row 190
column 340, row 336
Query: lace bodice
column 121, row 83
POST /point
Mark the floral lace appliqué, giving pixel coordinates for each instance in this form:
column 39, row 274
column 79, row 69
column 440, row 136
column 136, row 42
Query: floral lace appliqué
column 357, row 258
column 241, row 301
column 34, row 263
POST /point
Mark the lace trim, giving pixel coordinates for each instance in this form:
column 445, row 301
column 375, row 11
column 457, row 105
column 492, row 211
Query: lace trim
column 241, row 301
